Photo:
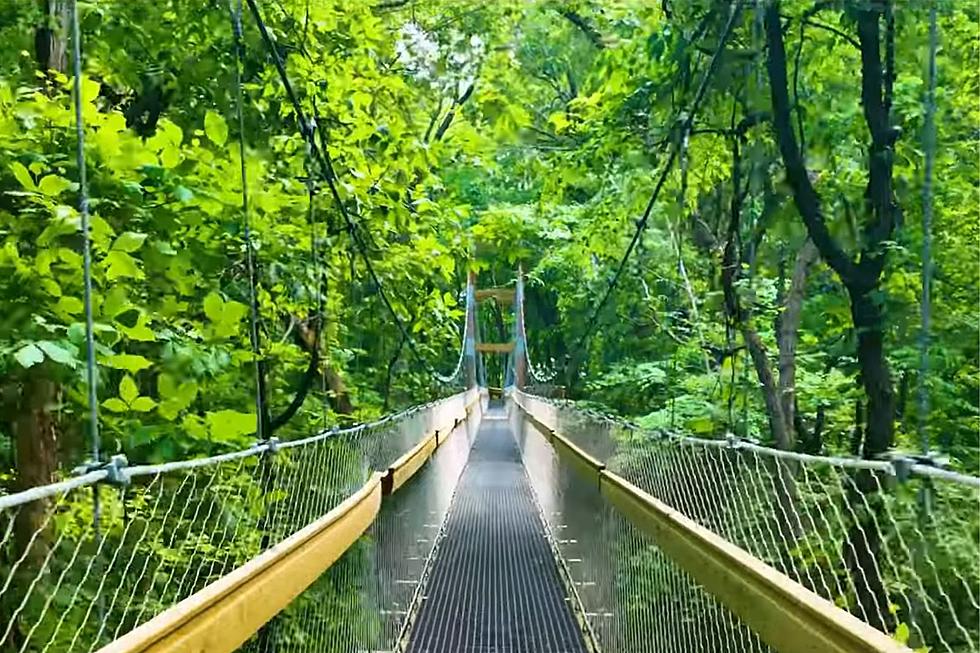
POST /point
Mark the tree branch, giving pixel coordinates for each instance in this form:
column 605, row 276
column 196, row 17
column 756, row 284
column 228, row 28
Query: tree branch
column 589, row 30
column 807, row 200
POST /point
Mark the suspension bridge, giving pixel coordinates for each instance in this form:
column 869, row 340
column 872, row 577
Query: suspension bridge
column 516, row 524
column 491, row 520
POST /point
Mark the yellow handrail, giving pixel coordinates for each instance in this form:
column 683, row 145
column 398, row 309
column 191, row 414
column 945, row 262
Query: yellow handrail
column 223, row 615
column 784, row 614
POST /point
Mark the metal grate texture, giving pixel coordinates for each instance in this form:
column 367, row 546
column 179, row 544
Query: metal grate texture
column 495, row 587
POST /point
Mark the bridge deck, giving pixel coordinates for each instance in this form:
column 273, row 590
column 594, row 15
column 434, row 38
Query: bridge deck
column 495, row 587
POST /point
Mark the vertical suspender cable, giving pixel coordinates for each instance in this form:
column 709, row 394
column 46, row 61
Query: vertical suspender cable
column 641, row 223
column 91, row 371
column 266, row 634
column 929, row 145
column 235, row 7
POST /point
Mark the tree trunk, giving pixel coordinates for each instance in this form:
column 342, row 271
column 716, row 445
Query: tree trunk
column 781, row 429
column 862, row 278
column 51, row 36
column 36, row 451
column 36, row 447
column 391, row 371
column 875, row 376
column 789, row 327
column 339, row 397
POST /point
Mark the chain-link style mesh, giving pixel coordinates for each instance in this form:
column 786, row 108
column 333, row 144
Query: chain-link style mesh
column 172, row 529
column 365, row 600
column 870, row 536
column 630, row 593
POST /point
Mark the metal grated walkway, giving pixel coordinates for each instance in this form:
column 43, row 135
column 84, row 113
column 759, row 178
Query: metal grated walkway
column 495, row 587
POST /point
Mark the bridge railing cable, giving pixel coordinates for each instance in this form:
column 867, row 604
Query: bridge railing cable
column 538, row 376
column 321, row 155
column 170, row 530
column 686, row 124
column 905, row 571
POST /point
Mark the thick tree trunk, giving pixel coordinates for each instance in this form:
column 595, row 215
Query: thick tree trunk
column 36, row 447
column 875, row 375
column 51, row 36
column 862, row 278
column 339, row 397
column 36, row 450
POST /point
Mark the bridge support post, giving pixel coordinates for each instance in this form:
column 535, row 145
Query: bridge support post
column 520, row 344
column 469, row 342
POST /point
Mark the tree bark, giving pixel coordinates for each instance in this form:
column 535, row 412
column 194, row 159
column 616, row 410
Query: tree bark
column 51, row 36
column 36, row 459
column 36, row 448
column 339, row 397
column 861, row 279
column 789, row 329
column 781, row 429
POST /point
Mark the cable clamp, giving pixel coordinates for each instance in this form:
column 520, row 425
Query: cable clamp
column 903, row 462
column 272, row 445
column 115, row 469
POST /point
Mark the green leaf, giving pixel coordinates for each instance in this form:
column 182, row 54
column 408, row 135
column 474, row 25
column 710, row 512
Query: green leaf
column 231, row 317
column 166, row 386
column 128, row 241
column 129, row 362
column 69, row 306
column 213, row 305
column 143, row 404
column 57, row 353
column 53, row 185
column 120, row 265
column 195, row 427
column 76, row 332
column 175, row 399
column 128, row 390
column 169, row 409
column 234, row 312
column 140, row 331
column 230, row 425
column 187, row 392
column 183, row 194
column 116, row 405
column 23, row 176
column 901, row 633
column 215, row 127
column 29, row 355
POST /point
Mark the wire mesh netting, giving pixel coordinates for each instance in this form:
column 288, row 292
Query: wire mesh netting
column 365, row 600
column 630, row 593
column 70, row 581
column 870, row 536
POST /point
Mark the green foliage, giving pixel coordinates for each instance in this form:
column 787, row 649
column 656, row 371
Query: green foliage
column 499, row 134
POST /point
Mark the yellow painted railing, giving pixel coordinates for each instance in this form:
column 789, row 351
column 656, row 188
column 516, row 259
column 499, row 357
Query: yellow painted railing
column 784, row 614
column 226, row 613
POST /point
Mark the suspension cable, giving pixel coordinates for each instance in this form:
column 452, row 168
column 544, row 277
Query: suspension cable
column 671, row 157
column 462, row 346
column 260, row 407
column 91, row 371
column 929, row 145
column 522, row 326
column 326, row 166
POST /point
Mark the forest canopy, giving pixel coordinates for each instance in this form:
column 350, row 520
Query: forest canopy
column 720, row 216
column 226, row 222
